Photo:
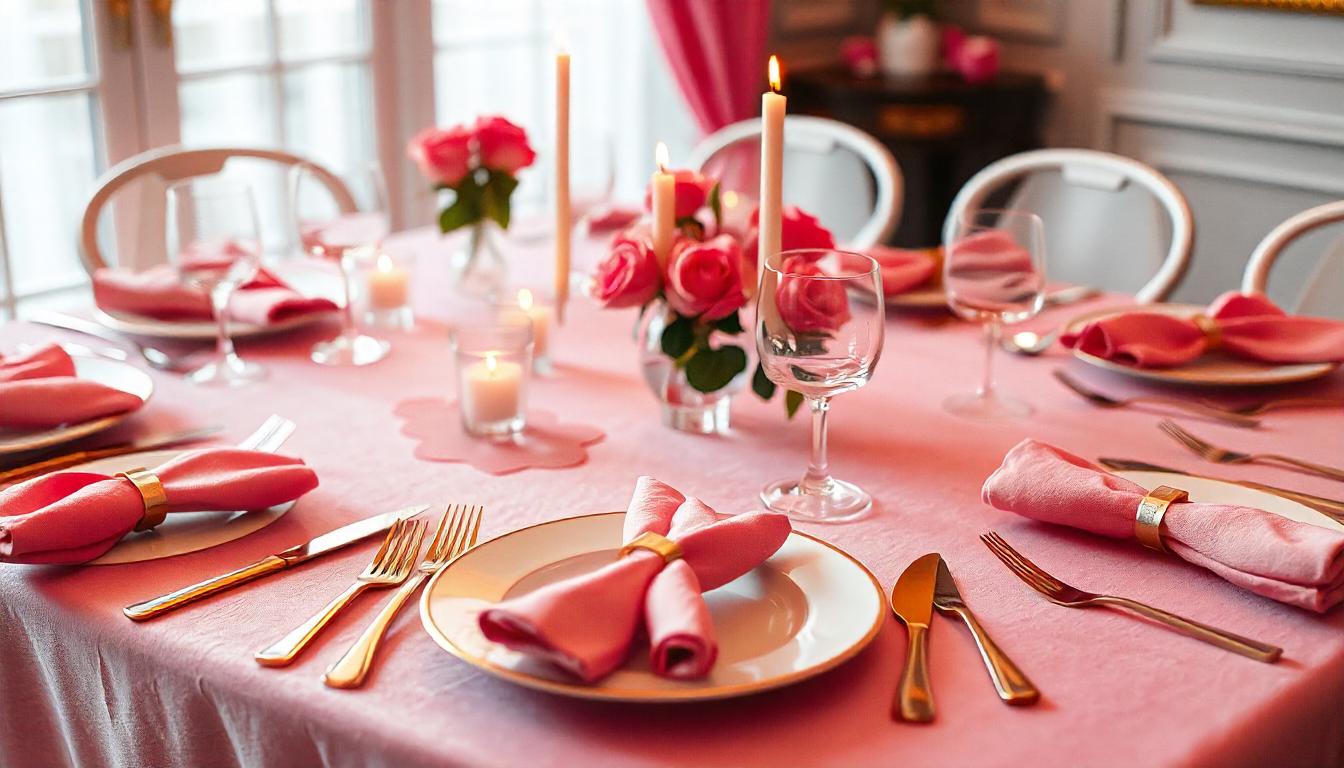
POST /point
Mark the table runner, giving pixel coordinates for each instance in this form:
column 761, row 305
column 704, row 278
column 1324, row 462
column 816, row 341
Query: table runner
column 80, row 684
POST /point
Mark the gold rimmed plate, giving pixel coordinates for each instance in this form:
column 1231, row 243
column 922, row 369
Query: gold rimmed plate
column 807, row 609
column 1210, row 370
column 109, row 373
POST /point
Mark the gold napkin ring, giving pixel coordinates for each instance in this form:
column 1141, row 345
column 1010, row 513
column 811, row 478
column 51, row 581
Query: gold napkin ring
column 151, row 493
column 1148, row 521
column 1213, row 332
column 658, row 544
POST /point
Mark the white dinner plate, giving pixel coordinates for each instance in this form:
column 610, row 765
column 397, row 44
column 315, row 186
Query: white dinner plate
column 111, row 373
column 139, row 325
column 180, row 532
column 1213, row 369
column 805, row 610
column 1219, row 492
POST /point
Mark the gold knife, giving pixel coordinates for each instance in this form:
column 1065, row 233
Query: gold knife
column 151, row 443
column 1331, row 508
column 1012, row 685
column 327, row 542
column 912, row 602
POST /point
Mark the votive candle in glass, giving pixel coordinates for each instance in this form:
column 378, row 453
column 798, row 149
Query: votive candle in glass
column 494, row 363
column 526, row 306
column 387, row 290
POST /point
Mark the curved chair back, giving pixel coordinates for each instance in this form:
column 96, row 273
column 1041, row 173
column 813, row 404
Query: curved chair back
column 1323, row 291
column 1106, row 176
column 170, row 164
column 834, row 171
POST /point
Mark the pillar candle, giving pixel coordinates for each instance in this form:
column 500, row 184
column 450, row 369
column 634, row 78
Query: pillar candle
column 664, row 207
column 388, row 285
column 491, row 391
column 772, row 168
column 563, row 221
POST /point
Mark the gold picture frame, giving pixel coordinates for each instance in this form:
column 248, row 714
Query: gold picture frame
column 1328, row 7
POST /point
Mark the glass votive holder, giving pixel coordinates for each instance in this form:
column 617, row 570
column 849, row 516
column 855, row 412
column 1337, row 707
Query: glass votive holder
column 384, row 284
column 524, row 305
column 494, row 363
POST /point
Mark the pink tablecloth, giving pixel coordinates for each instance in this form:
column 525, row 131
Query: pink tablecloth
column 80, row 684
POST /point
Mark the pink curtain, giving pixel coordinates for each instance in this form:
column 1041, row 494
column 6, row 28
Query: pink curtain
column 716, row 49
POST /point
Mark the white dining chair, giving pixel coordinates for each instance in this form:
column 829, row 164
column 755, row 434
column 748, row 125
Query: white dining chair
column 1322, row 292
column 1102, row 228
column 153, row 171
column 834, row 171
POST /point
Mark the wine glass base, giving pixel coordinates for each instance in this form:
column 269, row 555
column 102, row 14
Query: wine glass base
column 230, row 372
column 350, row 350
column 841, row 503
column 991, row 407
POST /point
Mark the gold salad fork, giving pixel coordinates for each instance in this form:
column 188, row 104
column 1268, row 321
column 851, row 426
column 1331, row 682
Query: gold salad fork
column 390, row 567
column 456, row 534
column 1210, row 452
column 1199, row 409
column 1060, row 593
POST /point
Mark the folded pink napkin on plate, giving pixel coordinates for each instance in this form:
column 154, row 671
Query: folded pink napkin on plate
column 39, row 390
column 587, row 624
column 158, row 293
column 1288, row 561
column 612, row 218
column 73, row 517
column 1240, row 324
column 904, row 270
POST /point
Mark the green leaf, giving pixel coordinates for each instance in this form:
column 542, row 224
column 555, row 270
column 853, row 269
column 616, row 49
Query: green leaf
column 710, row 370
column 761, row 384
column 716, row 206
column 497, row 191
column 792, row 401
column 730, row 324
column 464, row 210
column 691, row 227
column 678, row 337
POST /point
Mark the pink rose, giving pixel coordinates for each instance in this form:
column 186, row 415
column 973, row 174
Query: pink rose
column 859, row 53
column 692, row 190
column 629, row 276
column 953, row 37
column 810, row 306
column 978, row 59
column 705, row 279
column 442, row 154
column 797, row 229
column 503, row 145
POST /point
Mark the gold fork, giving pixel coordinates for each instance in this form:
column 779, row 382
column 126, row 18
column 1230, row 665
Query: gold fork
column 1218, row 455
column 390, row 567
column 1060, row 593
column 456, row 534
column 1106, row 401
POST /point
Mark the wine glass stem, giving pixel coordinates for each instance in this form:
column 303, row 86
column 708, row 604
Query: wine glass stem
column 348, row 315
column 219, row 303
column 818, row 477
column 991, row 341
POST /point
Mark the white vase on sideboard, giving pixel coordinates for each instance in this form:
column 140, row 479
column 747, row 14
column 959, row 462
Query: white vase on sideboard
column 908, row 47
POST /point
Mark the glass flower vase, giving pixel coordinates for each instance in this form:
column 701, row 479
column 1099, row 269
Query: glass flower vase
column 478, row 267
column 684, row 407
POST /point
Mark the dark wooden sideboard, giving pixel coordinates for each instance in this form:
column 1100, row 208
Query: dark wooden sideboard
column 940, row 129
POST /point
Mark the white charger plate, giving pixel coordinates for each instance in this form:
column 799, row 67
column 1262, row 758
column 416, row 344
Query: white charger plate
column 111, row 373
column 180, row 532
column 807, row 609
column 1220, row 492
column 1213, row 369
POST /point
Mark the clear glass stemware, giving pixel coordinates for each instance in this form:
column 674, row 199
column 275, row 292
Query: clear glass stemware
column 347, row 232
column 994, row 273
column 813, row 340
column 213, row 241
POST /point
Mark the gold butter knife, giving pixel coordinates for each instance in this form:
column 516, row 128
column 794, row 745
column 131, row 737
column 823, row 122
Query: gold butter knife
column 1010, row 682
column 912, row 602
column 327, row 542
column 26, row 471
column 1332, row 508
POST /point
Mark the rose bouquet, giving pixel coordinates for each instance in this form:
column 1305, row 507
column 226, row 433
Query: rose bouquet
column 479, row 163
column 694, row 295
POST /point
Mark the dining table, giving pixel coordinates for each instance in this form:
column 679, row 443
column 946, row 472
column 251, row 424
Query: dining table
column 80, row 684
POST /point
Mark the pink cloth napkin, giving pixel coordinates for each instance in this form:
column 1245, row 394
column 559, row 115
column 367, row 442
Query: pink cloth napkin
column 73, row 517
column 612, row 218
column 158, row 293
column 39, row 390
column 1284, row 560
column 1247, row 325
column 902, row 269
column 587, row 624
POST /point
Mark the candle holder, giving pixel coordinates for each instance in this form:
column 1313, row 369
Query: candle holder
column 530, row 307
column 385, row 289
column 494, row 363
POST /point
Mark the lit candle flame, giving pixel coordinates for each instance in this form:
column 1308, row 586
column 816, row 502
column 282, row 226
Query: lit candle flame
column 491, row 363
column 775, row 83
column 660, row 156
column 524, row 299
column 384, row 263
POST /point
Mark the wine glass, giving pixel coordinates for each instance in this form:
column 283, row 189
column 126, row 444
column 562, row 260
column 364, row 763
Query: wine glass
column 347, row 232
column 213, row 241
column 813, row 340
column 994, row 272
